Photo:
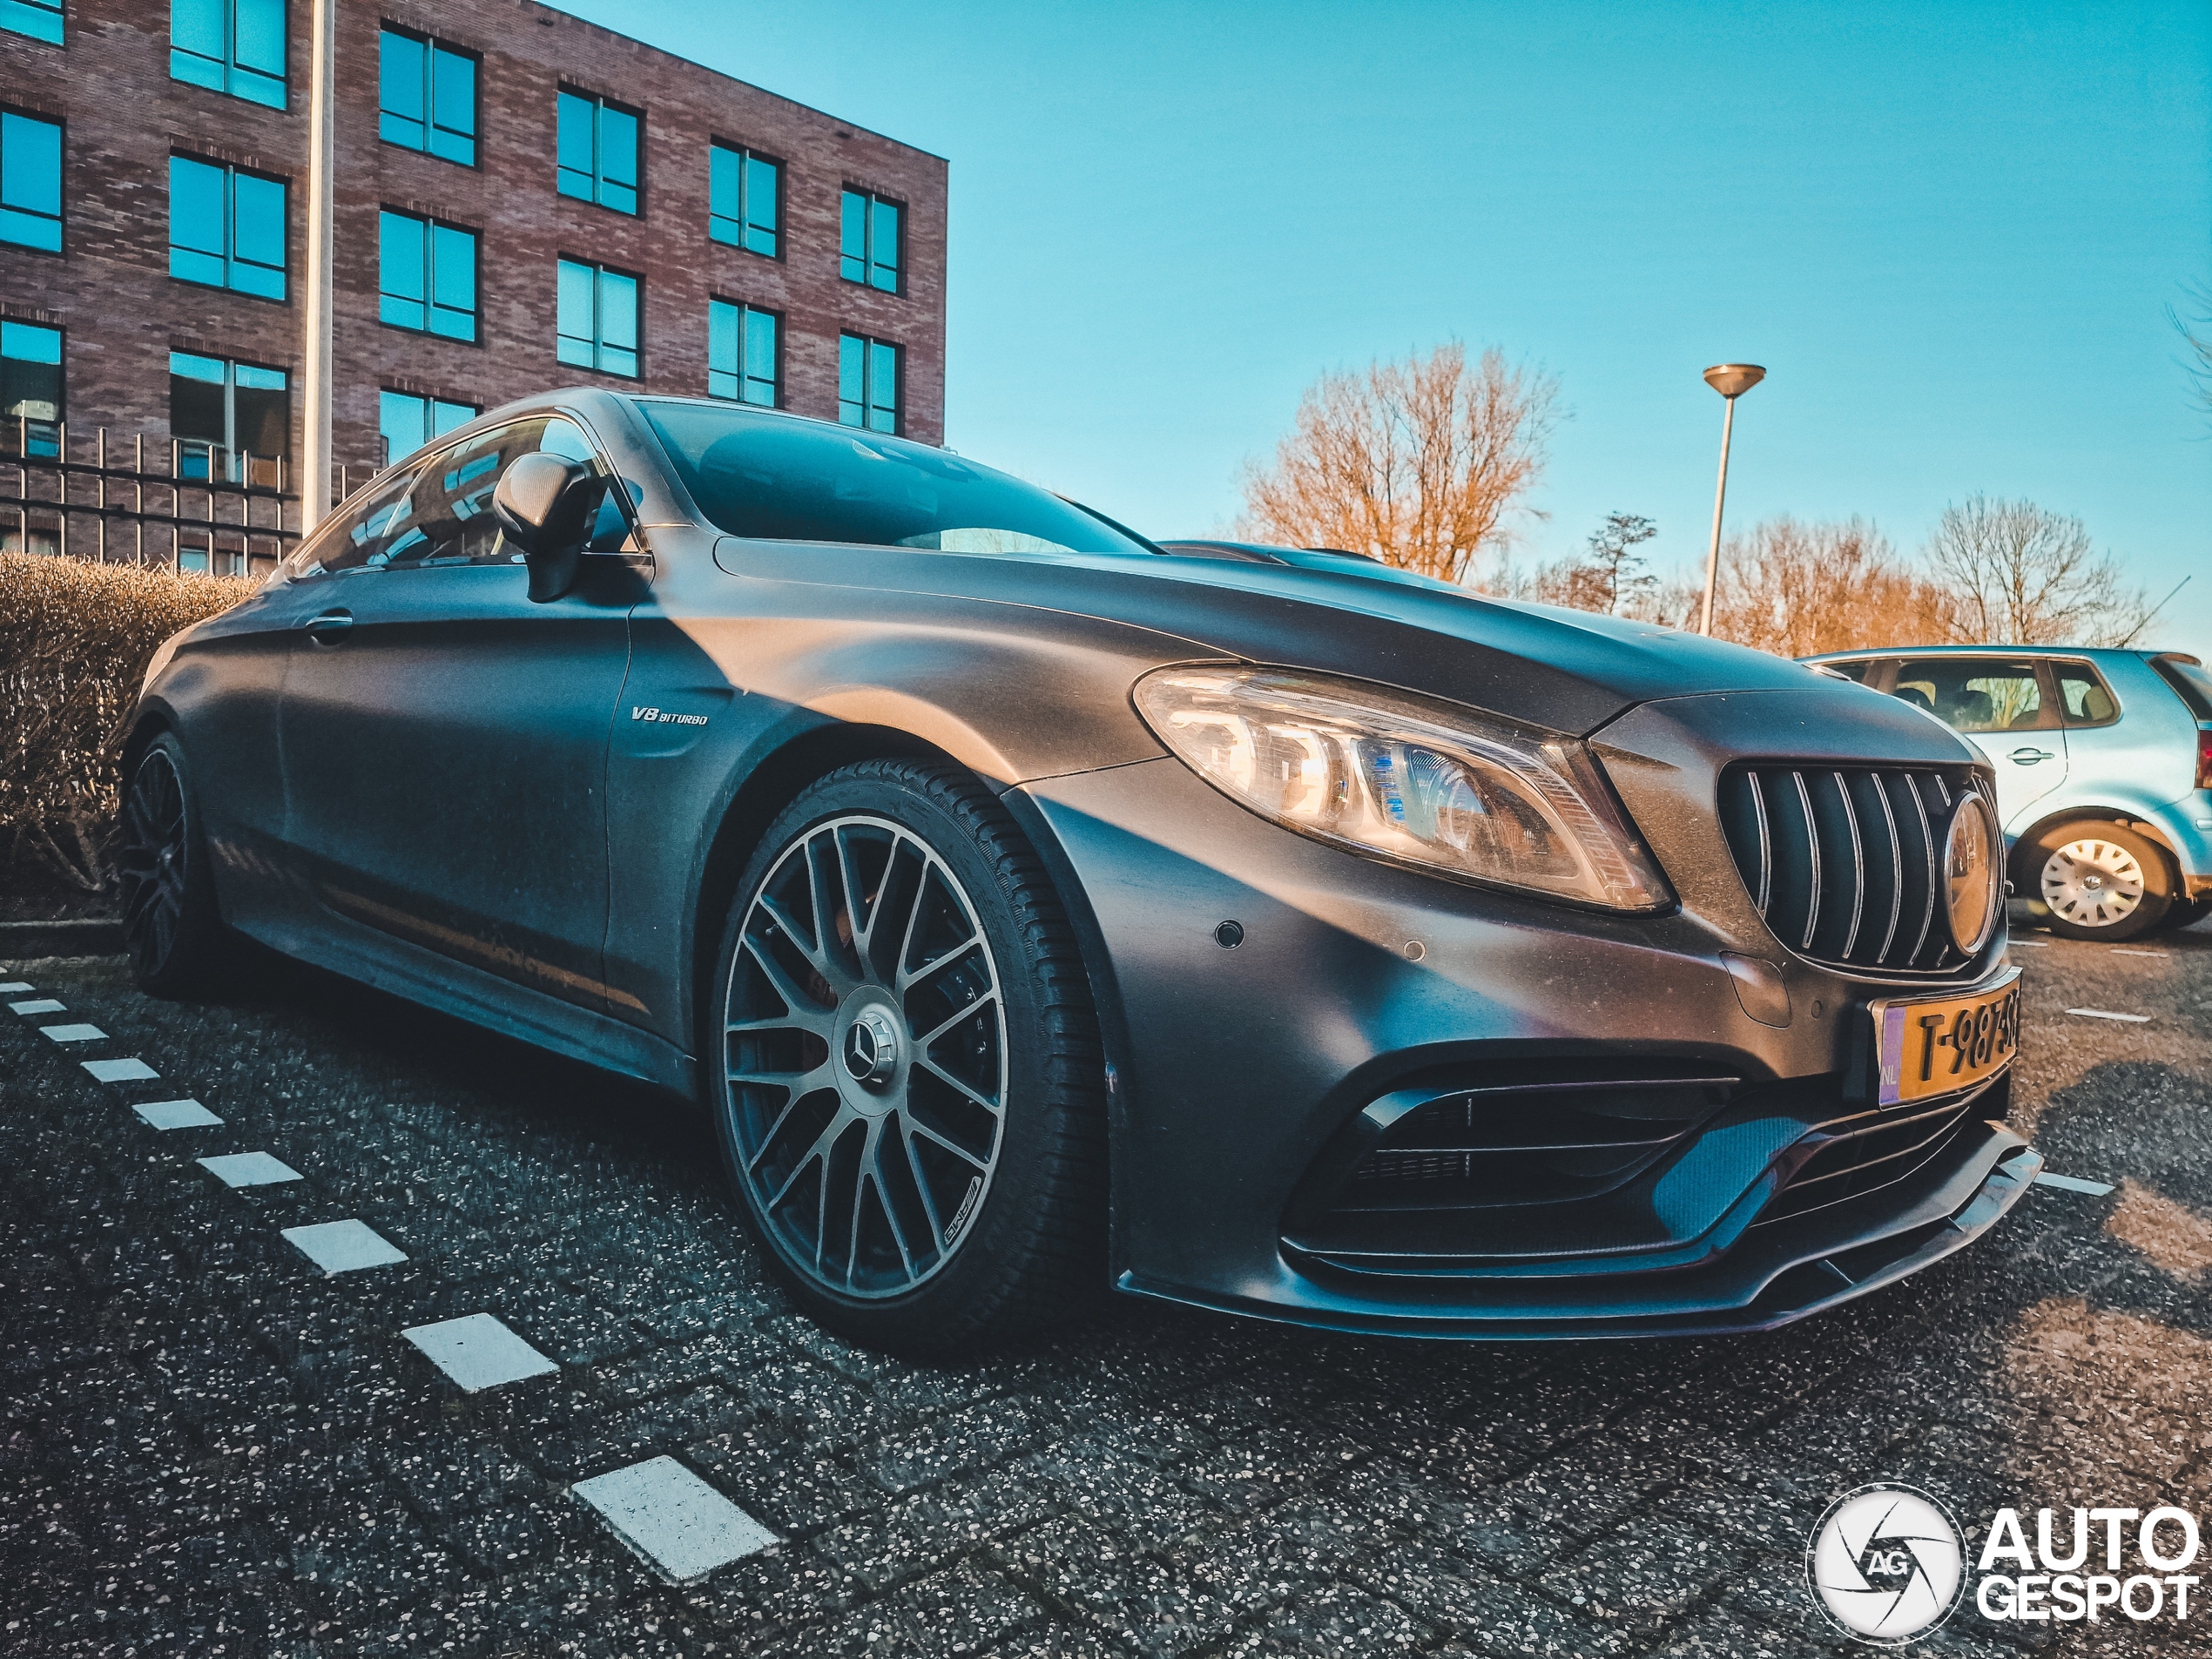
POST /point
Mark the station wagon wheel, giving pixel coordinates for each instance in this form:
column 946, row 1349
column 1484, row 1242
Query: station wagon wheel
column 2099, row 881
column 170, row 924
column 906, row 1085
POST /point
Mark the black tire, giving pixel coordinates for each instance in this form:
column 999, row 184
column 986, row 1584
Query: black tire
column 2099, row 880
column 170, row 924
column 892, row 1199
column 2185, row 912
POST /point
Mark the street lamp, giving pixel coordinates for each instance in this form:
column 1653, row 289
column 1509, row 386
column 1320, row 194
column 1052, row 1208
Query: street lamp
column 1731, row 380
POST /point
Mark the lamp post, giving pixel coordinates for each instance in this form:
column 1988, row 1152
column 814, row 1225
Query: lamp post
column 1731, row 380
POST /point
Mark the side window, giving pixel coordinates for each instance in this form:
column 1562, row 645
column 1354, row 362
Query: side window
column 1975, row 694
column 449, row 519
column 2088, row 700
column 357, row 540
column 1854, row 671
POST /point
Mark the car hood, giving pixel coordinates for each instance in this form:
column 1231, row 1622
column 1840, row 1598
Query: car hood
column 1568, row 670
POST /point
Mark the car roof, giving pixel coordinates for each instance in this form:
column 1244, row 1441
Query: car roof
column 1865, row 652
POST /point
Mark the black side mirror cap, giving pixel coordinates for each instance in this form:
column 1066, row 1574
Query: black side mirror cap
column 544, row 504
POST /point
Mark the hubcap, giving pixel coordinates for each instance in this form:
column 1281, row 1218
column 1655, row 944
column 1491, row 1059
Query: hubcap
column 865, row 1057
column 2093, row 883
column 151, row 863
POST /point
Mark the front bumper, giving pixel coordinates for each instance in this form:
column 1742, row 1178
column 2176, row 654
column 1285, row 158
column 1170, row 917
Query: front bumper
column 1232, row 1070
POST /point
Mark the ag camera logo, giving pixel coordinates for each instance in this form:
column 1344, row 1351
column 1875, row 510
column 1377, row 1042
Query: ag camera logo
column 1887, row 1564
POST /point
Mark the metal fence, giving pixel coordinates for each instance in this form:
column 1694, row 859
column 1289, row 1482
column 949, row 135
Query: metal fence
column 173, row 502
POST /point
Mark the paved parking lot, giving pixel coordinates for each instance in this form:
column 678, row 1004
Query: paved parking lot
column 209, row 1445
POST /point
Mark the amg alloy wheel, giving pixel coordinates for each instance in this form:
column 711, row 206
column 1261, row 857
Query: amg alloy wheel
column 905, row 1138
column 2102, row 882
column 170, row 924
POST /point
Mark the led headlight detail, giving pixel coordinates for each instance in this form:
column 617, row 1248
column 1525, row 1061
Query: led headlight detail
column 1431, row 784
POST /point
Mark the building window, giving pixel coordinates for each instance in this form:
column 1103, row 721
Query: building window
column 429, row 276
column 31, row 181
column 234, row 46
column 597, row 320
column 405, row 422
column 31, row 388
column 743, row 192
column 221, row 412
column 225, row 227
column 598, row 151
column 40, row 19
column 870, row 241
column 428, row 99
column 743, row 361
column 867, row 384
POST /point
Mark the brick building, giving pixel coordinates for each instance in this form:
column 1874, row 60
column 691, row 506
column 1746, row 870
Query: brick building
column 521, row 200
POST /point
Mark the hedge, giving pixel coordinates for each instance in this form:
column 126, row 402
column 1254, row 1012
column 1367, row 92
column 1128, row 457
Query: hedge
column 75, row 640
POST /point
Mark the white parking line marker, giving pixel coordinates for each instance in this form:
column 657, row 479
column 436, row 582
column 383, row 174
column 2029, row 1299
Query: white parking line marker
column 2030, row 944
column 119, row 1071
column 249, row 1169
column 178, row 1114
column 2106, row 1014
column 2122, row 950
column 73, row 1033
column 16, row 988
column 2074, row 1184
column 39, row 1005
column 343, row 1246
column 478, row 1351
column 673, row 1519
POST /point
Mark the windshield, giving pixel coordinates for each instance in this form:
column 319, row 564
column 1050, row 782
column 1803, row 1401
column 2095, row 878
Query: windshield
column 773, row 478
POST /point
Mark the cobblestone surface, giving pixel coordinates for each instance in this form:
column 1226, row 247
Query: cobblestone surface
column 207, row 1446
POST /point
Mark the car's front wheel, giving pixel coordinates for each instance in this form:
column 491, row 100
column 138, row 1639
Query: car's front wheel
column 2099, row 881
column 906, row 1075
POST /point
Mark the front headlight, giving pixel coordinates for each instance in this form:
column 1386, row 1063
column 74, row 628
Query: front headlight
column 1425, row 784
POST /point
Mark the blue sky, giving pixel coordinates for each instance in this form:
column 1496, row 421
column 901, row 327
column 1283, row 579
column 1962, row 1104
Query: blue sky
column 1951, row 231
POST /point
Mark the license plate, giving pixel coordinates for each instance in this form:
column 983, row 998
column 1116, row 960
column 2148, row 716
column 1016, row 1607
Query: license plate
column 1939, row 1045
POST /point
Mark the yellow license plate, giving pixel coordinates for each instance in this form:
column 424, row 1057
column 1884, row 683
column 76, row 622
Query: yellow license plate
column 1939, row 1045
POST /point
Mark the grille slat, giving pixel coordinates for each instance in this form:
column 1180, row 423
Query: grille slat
column 1839, row 861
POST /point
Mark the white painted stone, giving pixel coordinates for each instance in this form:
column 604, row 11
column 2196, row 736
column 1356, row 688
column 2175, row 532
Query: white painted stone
column 2107, row 1013
column 38, row 1005
column 119, row 1071
column 478, row 1351
column 249, row 1169
column 16, row 986
column 677, row 1522
column 178, row 1114
column 73, row 1033
column 2074, row 1184
column 343, row 1246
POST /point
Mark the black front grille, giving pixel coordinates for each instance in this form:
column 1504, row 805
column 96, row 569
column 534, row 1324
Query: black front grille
column 1856, row 1154
column 1845, row 862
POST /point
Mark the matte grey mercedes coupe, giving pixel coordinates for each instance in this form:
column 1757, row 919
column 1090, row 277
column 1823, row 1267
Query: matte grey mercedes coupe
column 1036, row 907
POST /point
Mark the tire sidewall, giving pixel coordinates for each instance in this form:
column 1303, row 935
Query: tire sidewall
column 198, row 924
column 1016, row 1191
column 2158, row 879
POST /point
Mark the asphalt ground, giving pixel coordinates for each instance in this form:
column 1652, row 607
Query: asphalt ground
column 209, row 1446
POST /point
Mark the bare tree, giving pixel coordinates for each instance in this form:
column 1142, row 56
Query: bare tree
column 2197, row 331
column 1795, row 588
column 1420, row 462
column 1608, row 576
column 2017, row 575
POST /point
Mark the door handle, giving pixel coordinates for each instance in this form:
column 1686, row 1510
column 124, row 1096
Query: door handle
column 328, row 628
column 2029, row 757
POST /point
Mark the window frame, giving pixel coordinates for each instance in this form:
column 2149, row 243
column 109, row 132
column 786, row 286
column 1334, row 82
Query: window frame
column 59, row 216
column 2092, row 672
column 40, row 10
column 232, row 173
column 432, row 432
column 746, row 158
column 432, row 46
column 228, row 64
column 2049, row 709
column 869, row 344
column 599, row 272
column 600, row 105
column 745, row 309
column 229, row 388
column 871, row 200
column 431, row 226
column 27, row 437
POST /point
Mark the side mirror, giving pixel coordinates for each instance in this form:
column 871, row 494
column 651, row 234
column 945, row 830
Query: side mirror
column 543, row 504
